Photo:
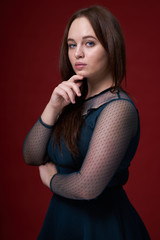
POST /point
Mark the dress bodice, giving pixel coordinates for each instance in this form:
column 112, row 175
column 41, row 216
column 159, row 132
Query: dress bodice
column 92, row 109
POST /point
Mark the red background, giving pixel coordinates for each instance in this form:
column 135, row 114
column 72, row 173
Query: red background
column 31, row 34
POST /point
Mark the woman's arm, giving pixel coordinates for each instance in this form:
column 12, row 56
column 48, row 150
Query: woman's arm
column 35, row 144
column 116, row 126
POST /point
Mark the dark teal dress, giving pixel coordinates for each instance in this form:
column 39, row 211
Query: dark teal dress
column 89, row 202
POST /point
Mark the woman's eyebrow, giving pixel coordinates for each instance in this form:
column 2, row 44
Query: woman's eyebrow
column 89, row 36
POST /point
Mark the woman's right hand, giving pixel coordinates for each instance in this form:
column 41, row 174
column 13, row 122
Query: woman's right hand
column 65, row 93
column 62, row 95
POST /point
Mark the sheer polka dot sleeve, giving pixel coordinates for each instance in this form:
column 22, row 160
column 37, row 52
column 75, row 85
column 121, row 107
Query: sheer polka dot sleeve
column 114, row 130
column 35, row 144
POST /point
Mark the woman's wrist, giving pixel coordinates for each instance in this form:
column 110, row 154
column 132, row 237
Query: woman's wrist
column 44, row 124
column 50, row 115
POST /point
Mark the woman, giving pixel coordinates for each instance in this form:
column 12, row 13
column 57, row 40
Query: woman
column 87, row 136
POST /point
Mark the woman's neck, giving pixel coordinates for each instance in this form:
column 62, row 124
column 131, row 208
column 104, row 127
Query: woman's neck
column 97, row 86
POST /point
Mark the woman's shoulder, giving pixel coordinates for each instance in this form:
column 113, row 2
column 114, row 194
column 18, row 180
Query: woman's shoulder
column 102, row 100
column 120, row 102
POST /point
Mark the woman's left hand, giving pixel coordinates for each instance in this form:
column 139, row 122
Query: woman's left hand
column 46, row 172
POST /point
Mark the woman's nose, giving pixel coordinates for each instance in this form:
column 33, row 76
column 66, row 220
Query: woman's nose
column 79, row 52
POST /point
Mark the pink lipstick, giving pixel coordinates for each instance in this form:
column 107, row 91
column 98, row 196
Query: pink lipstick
column 80, row 65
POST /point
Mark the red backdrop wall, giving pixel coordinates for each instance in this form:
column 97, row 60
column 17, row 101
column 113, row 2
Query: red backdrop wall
column 31, row 34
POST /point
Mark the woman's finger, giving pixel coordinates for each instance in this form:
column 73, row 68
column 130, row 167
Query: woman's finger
column 69, row 91
column 62, row 93
column 75, row 78
column 74, row 86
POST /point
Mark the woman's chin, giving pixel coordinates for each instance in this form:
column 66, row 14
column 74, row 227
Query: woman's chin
column 80, row 72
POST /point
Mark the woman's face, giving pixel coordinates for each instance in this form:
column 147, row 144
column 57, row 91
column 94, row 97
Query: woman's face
column 86, row 54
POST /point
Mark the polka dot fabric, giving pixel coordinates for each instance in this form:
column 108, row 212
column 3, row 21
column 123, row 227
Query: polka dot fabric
column 90, row 203
column 35, row 144
column 114, row 130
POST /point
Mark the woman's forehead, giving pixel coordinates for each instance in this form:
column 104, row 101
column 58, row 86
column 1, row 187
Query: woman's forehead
column 80, row 28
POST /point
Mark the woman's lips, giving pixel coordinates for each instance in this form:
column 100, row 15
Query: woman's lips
column 80, row 65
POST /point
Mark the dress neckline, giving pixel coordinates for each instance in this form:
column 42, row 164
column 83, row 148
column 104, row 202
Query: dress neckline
column 99, row 99
column 98, row 94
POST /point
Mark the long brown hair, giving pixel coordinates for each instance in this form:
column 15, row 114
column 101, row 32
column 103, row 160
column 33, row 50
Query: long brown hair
column 108, row 32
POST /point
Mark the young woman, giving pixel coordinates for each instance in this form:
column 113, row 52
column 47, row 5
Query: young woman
column 87, row 136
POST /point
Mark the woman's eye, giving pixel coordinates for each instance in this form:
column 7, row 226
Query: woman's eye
column 71, row 45
column 90, row 44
